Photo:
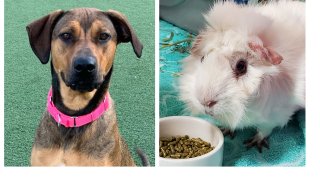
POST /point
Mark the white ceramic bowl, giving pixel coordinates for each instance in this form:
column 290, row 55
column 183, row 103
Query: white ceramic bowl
column 194, row 128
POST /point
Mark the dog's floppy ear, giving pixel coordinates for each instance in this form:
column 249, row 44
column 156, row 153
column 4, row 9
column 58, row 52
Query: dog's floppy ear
column 125, row 33
column 39, row 32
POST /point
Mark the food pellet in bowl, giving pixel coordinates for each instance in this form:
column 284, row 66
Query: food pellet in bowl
column 183, row 147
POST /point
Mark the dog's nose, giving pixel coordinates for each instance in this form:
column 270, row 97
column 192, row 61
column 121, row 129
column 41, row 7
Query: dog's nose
column 85, row 64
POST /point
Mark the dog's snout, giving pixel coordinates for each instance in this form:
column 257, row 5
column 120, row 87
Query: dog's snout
column 85, row 64
column 84, row 73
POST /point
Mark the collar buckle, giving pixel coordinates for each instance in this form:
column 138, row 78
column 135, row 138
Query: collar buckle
column 74, row 121
column 59, row 120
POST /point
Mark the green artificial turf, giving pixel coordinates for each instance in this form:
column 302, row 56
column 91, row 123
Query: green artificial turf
column 27, row 81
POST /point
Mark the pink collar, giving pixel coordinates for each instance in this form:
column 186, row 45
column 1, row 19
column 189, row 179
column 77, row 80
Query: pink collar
column 77, row 121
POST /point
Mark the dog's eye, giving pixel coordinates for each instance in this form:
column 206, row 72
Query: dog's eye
column 65, row 36
column 241, row 67
column 104, row 36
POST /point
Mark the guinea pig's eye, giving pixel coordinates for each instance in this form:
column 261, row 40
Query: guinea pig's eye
column 104, row 36
column 65, row 36
column 241, row 67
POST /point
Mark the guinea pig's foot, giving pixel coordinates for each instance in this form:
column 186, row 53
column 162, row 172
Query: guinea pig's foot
column 228, row 132
column 258, row 142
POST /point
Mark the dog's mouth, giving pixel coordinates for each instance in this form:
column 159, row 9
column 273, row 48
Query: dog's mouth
column 81, row 84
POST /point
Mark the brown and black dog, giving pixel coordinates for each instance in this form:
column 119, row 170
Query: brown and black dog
column 82, row 43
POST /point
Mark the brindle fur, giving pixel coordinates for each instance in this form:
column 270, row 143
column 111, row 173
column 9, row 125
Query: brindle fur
column 98, row 143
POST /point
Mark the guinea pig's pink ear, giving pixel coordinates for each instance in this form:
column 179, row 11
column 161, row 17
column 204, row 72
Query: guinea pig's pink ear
column 266, row 53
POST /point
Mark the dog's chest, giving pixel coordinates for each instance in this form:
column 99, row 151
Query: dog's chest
column 71, row 158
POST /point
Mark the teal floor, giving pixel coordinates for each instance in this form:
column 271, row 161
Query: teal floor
column 27, row 81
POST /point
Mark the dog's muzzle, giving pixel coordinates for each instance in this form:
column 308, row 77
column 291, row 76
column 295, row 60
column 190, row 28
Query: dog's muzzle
column 84, row 74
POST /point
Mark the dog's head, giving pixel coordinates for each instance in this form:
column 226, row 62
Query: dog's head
column 82, row 43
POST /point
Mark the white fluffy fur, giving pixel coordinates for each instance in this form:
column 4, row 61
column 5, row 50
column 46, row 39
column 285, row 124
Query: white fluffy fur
column 267, row 95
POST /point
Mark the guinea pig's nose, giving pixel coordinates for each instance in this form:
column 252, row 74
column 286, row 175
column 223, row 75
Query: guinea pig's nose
column 211, row 103
column 85, row 64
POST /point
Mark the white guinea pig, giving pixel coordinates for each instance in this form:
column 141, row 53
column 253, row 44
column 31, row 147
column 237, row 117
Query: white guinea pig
column 247, row 67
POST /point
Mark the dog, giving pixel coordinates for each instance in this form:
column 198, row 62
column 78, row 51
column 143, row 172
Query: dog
column 79, row 127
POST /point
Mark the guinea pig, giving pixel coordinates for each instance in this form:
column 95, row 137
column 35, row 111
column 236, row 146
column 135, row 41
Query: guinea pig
column 246, row 68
